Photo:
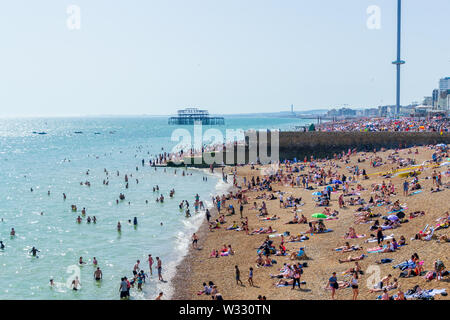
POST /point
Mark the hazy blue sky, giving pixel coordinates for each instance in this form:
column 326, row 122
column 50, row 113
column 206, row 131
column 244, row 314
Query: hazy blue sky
column 229, row 56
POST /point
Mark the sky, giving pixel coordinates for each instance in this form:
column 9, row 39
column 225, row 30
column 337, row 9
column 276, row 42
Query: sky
column 228, row 56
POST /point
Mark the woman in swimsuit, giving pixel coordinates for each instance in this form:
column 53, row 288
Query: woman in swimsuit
column 354, row 284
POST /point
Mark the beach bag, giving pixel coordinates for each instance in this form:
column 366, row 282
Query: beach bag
column 429, row 276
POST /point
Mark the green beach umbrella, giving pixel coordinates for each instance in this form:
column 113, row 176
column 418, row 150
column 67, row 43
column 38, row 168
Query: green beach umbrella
column 319, row 215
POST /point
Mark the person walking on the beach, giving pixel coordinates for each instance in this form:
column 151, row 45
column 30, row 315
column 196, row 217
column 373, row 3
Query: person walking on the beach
column 354, row 284
column 150, row 263
column 297, row 276
column 238, row 275
column 332, row 282
column 250, row 277
column 380, row 236
column 405, row 187
column 159, row 265
column 123, row 289
column 194, row 241
column 208, row 215
column 241, row 209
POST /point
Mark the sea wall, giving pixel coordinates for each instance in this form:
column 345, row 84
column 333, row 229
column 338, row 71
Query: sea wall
column 321, row 144
column 290, row 145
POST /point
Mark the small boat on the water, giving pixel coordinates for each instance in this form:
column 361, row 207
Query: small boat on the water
column 78, row 132
column 39, row 132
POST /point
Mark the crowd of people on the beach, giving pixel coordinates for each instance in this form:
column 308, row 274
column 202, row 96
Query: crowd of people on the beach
column 387, row 124
column 326, row 178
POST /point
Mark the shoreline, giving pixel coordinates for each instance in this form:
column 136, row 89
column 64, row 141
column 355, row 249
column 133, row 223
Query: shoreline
column 184, row 267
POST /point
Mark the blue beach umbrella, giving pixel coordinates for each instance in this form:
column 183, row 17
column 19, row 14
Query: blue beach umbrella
column 337, row 181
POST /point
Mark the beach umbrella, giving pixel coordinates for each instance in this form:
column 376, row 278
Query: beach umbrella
column 319, row 215
column 337, row 181
column 441, row 145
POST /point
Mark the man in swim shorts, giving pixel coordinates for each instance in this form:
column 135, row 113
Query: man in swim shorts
column 194, row 241
column 98, row 275
column 159, row 265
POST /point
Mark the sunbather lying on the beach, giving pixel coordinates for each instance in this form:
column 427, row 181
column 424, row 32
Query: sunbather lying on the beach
column 274, row 217
column 350, row 258
column 347, row 248
column 341, row 284
column 390, row 286
column 262, row 230
column 356, row 268
column 297, row 238
column 425, row 235
column 416, row 214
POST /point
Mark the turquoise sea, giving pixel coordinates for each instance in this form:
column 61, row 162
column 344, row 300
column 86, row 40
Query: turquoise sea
column 58, row 162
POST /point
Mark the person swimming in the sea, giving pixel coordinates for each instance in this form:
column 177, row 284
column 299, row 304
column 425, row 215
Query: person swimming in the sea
column 75, row 284
column 34, row 251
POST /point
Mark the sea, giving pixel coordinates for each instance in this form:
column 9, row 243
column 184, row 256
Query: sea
column 36, row 169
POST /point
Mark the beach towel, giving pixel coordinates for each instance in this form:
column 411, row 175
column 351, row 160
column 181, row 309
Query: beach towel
column 352, row 249
column 277, row 235
column 288, row 285
column 415, row 192
column 326, row 231
column 375, row 250
column 395, row 211
column 425, row 294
